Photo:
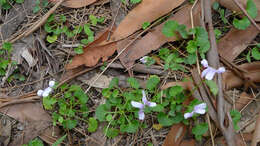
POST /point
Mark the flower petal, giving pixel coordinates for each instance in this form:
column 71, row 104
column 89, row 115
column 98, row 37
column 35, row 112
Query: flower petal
column 200, row 106
column 221, row 70
column 151, row 104
column 188, row 115
column 48, row 90
column 141, row 115
column 144, row 99
column 200, row 111
column 51, row 83
column 137, row 104
column 45, row 94
column 143, row 59
column 210, row 74
column 204, row 72
column 39, row 92
column 204, row 62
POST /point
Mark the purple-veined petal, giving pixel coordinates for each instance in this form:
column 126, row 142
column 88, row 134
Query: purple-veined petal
column 141, row 115
column 48, row 90
column 221, row 70
column 210, row 74
column 200, row 111
column 137, row 104
column 39, row 92
column 204, row 62
column 51, row 83
column 204, row 72
column 143, row 59
column 151, row 104
column 144, row 99
column 188, row 115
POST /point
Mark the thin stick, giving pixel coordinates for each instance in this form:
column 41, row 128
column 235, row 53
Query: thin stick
column 38, row 23
column 248, row 16
column 210, row 130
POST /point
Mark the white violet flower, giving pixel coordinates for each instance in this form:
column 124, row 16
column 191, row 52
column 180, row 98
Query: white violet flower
column 209, row 72
column 51, row 83
column 142, row 105
column 47, row 91
column 198, row 109
column 144, row 59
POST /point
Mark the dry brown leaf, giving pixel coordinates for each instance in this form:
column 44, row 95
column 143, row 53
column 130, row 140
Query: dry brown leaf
column 243, row 100
column 175, row 135
column 186, row 85
column 93, row 53
column 230, row 80
column 146, row 11
column 33, row 114
column 76, row 3
column 232, row 6
column 154, row 39
column 256, row 135
column 235, row 42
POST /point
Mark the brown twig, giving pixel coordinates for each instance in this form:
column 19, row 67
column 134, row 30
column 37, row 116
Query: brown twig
column 222, row 112
column 19, row 101
column 248, row 16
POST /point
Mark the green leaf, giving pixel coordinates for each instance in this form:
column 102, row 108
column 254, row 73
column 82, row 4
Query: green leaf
column 164, row 120
column 251, row 8
column 175, row 90
column 19, row 1
column 63, row 18
column 146, row 25
column 48, row 28
column 182, row 30
column 101, row 112
column 92, row 124
column 84, row 41
column 191, row 59
column 111, row 132
column 87, row 30
column 169, row 28
column 241, row 24
column 212, row 86
column 93, row 20
column 130, row 127
column 133, row 83
column 135, row 1
column 83, row 98
column 248, row 56
column 6, row 6
column 113, row 83
column 199, row 130
column 7, row 46
column 52, row 39
column 70, row 124
column 48, row 102
column 59, row 141
column 35, row 142
column 36, row 9
column 256, row 53
column 217, row 33
column 152, row 82
column 79, row 50
column 236, row 116
column 191, row 46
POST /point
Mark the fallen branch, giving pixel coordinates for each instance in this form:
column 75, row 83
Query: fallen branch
column 222, row 112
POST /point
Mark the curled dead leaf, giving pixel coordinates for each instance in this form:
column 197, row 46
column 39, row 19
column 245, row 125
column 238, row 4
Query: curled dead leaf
column 93, row 53
column 235, row 42
column 175, row 135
